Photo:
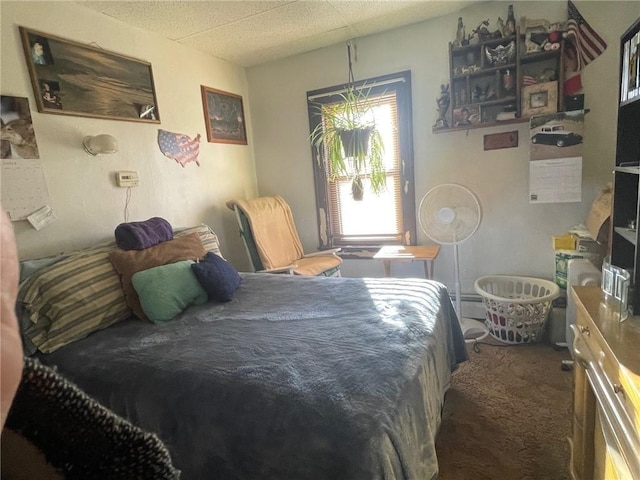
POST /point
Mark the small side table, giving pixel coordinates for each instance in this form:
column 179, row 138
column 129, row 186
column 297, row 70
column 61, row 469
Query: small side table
column 398, row 253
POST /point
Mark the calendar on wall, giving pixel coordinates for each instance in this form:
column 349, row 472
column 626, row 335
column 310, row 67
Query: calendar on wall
column 23, row 188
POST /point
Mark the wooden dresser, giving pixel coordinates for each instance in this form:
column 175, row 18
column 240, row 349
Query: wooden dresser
column 606, row 422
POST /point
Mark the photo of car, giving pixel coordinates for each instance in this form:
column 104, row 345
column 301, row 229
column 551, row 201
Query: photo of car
column 556, row 135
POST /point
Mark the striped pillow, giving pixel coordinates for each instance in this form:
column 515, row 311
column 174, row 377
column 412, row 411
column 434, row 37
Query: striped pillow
column 72, row 298
column 208, row 237
column 81, row 294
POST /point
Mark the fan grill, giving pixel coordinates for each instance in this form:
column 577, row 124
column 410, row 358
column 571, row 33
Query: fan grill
column 449, row 214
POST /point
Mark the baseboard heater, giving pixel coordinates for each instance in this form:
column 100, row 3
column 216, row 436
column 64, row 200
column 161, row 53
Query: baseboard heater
column 472, row 306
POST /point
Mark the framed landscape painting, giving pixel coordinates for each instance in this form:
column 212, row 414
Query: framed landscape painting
column 71, row 78
column 223, row 116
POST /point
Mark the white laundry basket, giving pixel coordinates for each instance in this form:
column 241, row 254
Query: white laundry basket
column 517, row 308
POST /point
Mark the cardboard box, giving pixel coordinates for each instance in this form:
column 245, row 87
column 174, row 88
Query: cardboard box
column 588, row 241
column 599, row 215
column 564, row 242
column 589, row 245
column 593, row 236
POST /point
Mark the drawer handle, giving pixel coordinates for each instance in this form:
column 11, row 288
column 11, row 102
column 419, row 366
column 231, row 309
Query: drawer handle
column 585, row 330
column 617, row 388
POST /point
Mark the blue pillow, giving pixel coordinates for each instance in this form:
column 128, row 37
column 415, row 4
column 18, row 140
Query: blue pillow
column 218, row 277
column 168, row 290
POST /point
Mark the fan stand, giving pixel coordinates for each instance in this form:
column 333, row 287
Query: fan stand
column 472, row 330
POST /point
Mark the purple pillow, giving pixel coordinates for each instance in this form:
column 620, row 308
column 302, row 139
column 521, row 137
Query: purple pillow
column 218, row 277
column 142, row 235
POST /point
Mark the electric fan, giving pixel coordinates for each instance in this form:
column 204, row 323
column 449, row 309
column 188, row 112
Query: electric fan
column 449, row 214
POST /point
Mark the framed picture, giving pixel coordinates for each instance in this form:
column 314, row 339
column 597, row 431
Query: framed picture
column 467, row 115
column 71, row 78
column 630, row 50
column 621, row 286
column 223, row 116
column 539, row 99
column 607, row 281
column 18, row 135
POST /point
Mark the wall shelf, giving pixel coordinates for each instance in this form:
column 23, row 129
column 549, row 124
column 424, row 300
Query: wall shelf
column 486, row 79
column 628, row 234
column 623, row 248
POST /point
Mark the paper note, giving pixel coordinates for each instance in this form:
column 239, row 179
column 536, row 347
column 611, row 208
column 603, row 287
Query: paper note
column 558, row 180
column 42, row 217
column 23, row 187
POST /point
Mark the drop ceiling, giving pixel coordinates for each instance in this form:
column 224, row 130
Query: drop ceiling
column 248, row 33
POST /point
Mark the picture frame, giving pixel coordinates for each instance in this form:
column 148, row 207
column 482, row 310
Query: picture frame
column 467, row 115
column 72, row 78
column 540, row 99
column 621, row 286
column 223, row 116
column 630, row 65
column 607, row 281
column 18, row 134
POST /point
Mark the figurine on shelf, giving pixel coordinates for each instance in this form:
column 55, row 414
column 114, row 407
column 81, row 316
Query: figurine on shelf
column 483, row 93
column 501, row 55
column 460, row 35
column 443, row 106
column 480, row 31
column 483, row 33
column 500, row 27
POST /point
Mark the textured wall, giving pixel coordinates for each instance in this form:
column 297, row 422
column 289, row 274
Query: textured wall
column 83, row 193
column 515, row 236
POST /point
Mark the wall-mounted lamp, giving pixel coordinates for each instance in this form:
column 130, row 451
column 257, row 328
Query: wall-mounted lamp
column 100, row 144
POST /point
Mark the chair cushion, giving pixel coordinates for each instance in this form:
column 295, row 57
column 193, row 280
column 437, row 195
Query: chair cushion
column 273, row 230
column 316, row 265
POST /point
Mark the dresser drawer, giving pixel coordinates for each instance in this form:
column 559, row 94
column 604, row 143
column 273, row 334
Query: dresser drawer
column 616, row 439
column 621, row 384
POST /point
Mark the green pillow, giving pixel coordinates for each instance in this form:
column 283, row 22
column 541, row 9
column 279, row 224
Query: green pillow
column 168, row 290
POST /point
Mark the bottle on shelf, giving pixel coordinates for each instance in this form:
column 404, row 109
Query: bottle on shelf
column 507, row 81
column 510, row 23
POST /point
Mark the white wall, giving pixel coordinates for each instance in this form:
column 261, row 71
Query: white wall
column 515, row 236
column 82, row 189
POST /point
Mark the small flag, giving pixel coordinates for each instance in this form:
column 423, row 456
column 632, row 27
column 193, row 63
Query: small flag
column 528, row 80
column 588, row 44
column 181, row 148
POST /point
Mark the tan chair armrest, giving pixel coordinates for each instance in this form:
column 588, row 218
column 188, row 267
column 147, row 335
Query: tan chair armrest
column 331, row 251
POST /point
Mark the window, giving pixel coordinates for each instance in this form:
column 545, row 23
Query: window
column 389, row 218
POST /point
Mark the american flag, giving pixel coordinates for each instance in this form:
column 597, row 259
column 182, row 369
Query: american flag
column 181, row 148
column 588, row 44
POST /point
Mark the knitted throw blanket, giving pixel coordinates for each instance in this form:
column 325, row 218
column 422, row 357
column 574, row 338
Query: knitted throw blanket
column 79, row 437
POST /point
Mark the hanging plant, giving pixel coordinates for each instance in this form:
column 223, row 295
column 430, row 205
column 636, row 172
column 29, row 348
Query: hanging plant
column 354, row 147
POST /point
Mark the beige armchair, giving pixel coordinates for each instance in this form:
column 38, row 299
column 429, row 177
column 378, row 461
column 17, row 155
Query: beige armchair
column 272, row 241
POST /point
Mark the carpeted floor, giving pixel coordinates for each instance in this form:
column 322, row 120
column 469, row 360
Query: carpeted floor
column 507, row 415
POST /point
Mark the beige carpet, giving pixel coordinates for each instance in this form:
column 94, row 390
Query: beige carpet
column 507, row 416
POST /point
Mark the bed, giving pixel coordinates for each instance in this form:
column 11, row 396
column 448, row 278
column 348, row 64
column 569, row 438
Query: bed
column 295, row 378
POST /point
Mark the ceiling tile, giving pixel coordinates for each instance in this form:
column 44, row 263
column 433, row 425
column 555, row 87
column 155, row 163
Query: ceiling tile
column 179, row 19
column 247, row 32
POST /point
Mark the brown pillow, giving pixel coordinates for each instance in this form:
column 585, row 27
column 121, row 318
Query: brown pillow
column 128, row 262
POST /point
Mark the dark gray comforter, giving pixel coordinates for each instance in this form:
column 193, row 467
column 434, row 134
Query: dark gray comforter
column 296, row 378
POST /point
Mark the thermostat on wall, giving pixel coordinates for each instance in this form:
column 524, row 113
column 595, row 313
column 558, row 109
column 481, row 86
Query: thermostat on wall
column 126, row 179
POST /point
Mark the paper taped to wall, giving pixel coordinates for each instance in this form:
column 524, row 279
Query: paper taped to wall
column 42, row 217
column 23, row 187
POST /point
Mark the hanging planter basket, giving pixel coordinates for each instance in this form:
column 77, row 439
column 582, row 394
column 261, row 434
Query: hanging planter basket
column 355, row 143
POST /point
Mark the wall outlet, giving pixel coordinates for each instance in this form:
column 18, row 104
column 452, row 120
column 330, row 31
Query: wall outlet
column 127, row 179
